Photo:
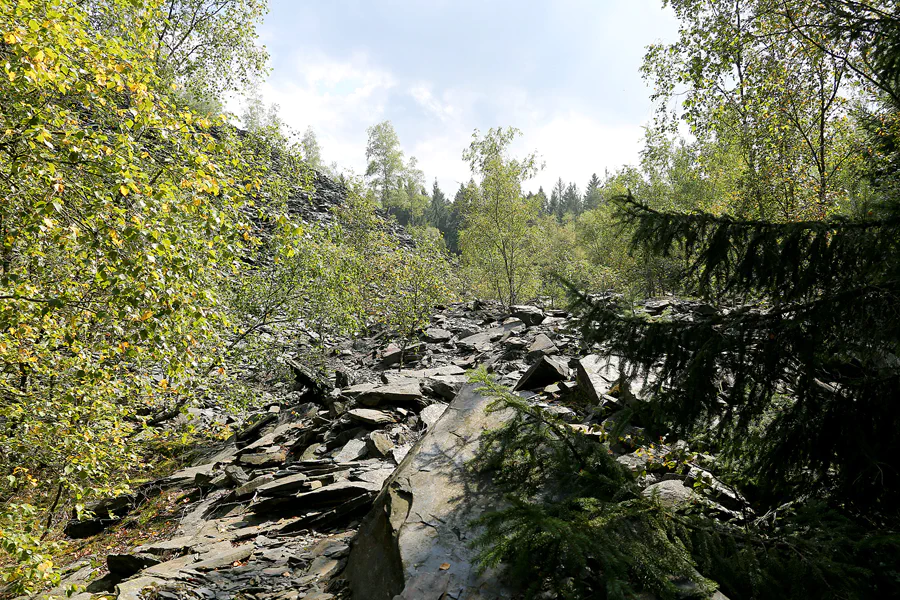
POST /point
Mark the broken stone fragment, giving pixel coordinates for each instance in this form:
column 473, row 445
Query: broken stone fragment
column 541, row 346
column 126, row 565
column 513, row 325
column 223, row 557
column 672, row 493
column 368, row 416
column 431, row 413
column 481, row 341
column 436, row 335
column 274, row 455
column 530, row 315
column 285, row 485
column 352, row 450
column 253, row 485
column 379, row 444
column 596, row 375
column 394, row 355
column 545, row 371
column 407, row 393
column 237, row 475
column 422, row 519
column 444, row 386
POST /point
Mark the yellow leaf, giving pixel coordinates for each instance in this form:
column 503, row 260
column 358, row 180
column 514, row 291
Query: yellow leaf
column 445, row 566
column 123, row 190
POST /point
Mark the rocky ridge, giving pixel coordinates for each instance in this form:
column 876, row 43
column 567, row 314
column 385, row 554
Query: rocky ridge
column 274, row 512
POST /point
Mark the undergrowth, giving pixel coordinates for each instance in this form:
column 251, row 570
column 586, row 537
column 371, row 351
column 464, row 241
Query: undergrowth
column 575, row 525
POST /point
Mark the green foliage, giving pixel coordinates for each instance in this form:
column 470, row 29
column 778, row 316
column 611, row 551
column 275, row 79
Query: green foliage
column 385, row 162
column 501, row 240
column 574, row 526
column 575, row 523
column 771, row 111
column 312, row 154
column 419, row 279
column 207, row 47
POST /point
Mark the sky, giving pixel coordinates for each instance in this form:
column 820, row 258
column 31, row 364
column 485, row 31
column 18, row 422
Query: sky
column 564, row 72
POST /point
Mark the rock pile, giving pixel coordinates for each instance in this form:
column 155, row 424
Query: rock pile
column 274, row 513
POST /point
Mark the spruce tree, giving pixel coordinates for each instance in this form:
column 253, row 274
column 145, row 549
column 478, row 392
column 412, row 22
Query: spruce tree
column 797, row 371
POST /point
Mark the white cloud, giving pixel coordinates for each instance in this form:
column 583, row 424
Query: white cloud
column 341, row 98
column 575, row 145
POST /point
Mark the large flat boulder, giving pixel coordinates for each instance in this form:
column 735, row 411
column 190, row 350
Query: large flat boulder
column 415, row 542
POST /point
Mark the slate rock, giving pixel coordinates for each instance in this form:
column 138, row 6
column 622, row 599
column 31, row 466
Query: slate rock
column 285, row 485
column 253, row 485
column 352, row 450
column 444, row 386
column 423, row 517
column 368, row 416
column 436, row 335
column 394, row 355
column 542, row 373
column 236, row 475
column 672, row 493
column 379, row 444
column 481, row 341
column 431, row 413
column 596, row 375
column 542, row 346
column 224, row 557
column 530, row 315
column 390, row 394
column 273, row 456
column 126, row 565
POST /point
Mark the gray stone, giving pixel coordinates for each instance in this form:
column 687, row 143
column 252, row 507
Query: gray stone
column 633, row 462
column 390, row 394
column 393, row 355
column 376, row 477
column 542, row 346
column 431, row 413
column 545, row 371
column 126, row 565
column 672, row 493
column 253, row 485
column 285, row 485
column 530, row 315
column 368, row 416
column 445, row 386
column 379, row 444
column 131, row 589
column 416, row 540
column 237, row 475
column 272, row 456
column 400, row 452
column 513, row 325
column 596, row 375
column 352, row 450
column 436, row 335
column 224, row 557
column 481, row 341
